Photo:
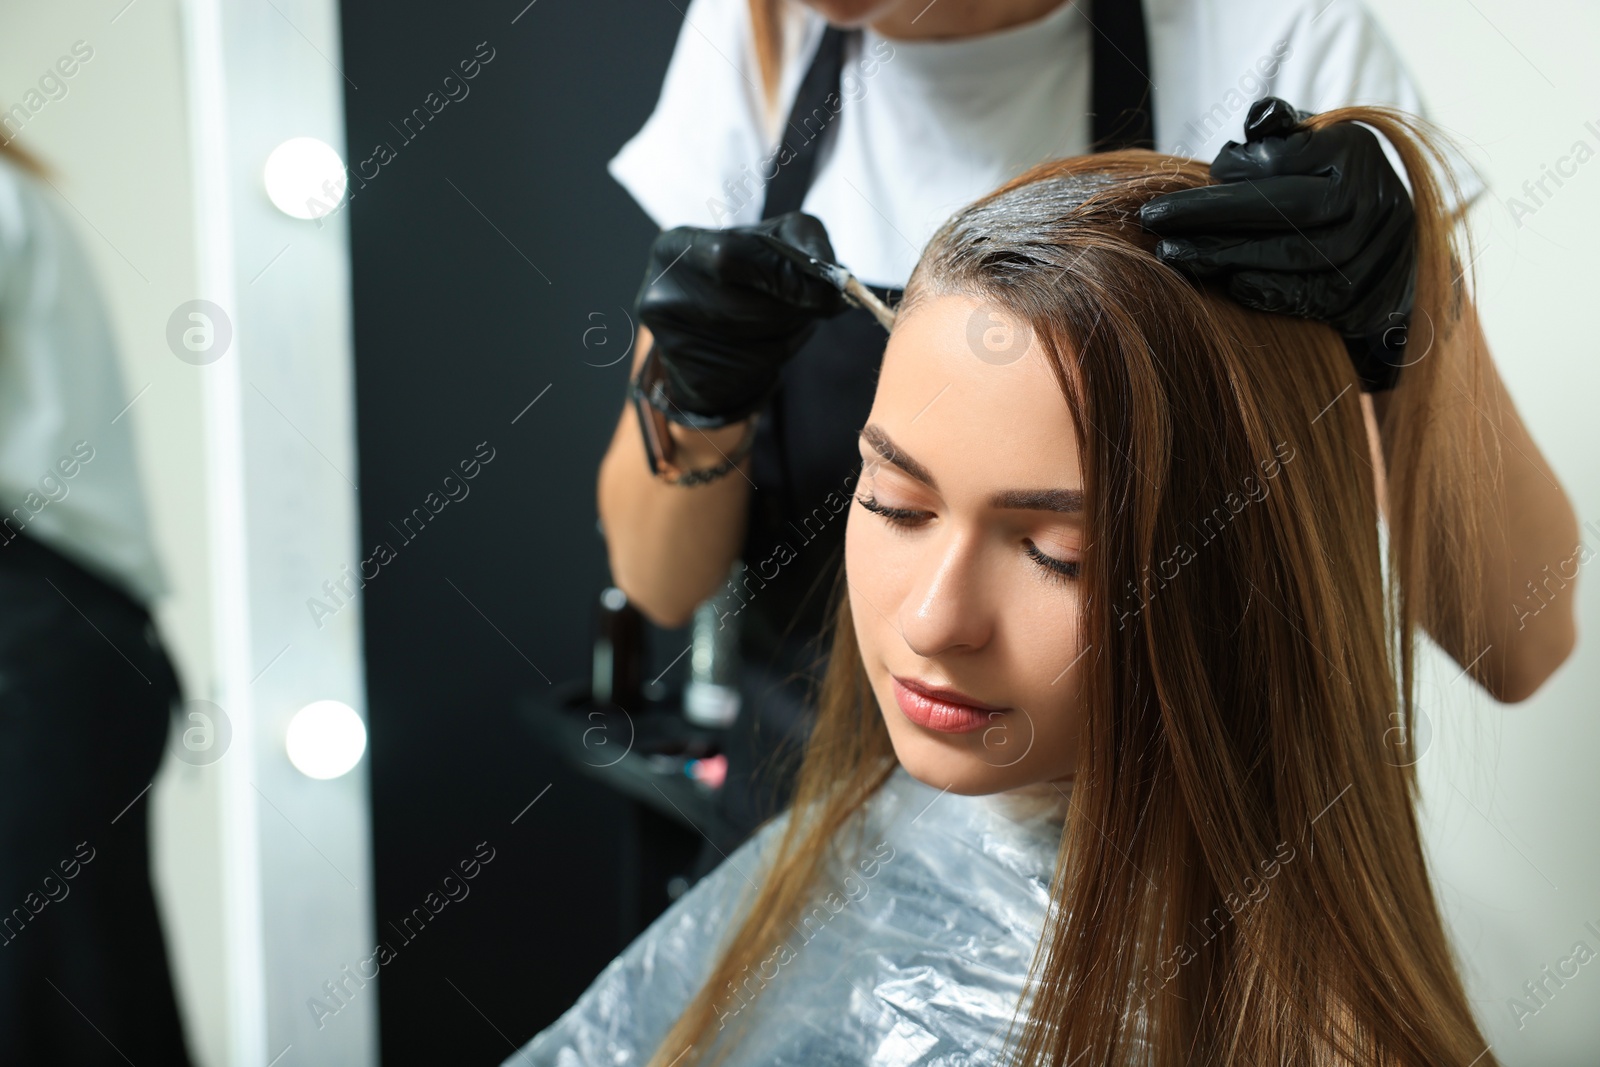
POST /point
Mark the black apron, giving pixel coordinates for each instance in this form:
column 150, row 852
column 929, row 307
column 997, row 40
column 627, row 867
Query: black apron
column 805, row 456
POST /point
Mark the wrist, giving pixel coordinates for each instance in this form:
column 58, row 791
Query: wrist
column 694, row 448
column 691, row 450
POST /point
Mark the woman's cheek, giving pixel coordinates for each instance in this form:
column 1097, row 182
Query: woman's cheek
column 861, row 562
column 1049, row 626
column 863, row 566
column 878, row 561
column 854, row 559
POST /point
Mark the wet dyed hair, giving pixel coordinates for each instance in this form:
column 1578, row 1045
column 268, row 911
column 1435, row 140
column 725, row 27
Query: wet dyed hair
column 1241, row 707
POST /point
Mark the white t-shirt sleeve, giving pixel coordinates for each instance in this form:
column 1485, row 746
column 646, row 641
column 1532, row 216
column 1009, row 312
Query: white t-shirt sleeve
column 705, row 130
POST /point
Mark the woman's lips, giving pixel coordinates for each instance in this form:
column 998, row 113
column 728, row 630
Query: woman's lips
column 941, row 713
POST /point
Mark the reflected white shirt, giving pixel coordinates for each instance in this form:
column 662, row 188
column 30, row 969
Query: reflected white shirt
column 68, row 473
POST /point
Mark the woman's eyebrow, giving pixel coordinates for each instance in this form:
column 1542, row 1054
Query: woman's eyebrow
column 874, row 435
column 1066, row 501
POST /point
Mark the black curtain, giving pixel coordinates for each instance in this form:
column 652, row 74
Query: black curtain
column 495, row 263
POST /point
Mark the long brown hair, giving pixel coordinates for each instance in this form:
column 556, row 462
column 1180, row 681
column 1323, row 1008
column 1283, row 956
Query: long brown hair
column 1247, row 705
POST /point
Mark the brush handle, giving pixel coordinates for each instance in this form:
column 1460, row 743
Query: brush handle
column 848, row 284
column 861, row 296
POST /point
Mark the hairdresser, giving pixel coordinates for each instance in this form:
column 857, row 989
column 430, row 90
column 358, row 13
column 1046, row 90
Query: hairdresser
column 86, row 688
column 876, row 119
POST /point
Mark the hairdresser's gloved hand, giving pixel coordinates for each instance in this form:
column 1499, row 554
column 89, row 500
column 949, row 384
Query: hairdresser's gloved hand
column 728, row 307
column 1315, row 224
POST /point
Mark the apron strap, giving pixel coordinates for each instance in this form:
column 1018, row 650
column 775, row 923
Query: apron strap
column 1120, row 96
column 803, row 134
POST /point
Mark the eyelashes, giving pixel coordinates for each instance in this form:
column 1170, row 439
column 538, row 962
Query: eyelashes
column 1064, row 569
column 898, row 516
column 1058, row 569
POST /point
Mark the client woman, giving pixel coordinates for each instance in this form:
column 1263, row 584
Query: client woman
column 1106, row 768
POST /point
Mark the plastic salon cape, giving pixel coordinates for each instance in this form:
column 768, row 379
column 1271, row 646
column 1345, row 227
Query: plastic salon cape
column 913, row 949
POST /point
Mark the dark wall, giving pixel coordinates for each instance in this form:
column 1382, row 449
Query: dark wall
column 488, row 242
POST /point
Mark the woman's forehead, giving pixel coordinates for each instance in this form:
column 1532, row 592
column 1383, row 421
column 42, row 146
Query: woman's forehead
column 972, row 383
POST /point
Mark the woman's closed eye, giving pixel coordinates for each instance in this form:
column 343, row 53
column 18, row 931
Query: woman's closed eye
column 908, row 518
column 896, row 516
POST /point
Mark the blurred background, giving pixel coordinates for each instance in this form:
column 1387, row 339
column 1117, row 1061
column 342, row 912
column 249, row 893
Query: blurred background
column 467, row 308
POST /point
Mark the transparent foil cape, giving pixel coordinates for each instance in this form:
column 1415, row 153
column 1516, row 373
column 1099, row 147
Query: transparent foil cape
column 913, row 949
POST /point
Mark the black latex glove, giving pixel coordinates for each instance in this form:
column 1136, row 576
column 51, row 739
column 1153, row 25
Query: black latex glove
column 1312, row 224
column 728, row 307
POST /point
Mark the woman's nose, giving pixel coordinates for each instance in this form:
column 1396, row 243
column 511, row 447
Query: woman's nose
column 946, row 606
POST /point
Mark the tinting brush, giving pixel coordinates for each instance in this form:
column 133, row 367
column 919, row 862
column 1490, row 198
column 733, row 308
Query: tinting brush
column 857, row 293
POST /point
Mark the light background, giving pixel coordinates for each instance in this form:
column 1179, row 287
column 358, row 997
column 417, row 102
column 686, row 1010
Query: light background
column 1511, row 793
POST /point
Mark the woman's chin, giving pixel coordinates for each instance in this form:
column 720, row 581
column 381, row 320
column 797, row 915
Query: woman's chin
column 959, row 764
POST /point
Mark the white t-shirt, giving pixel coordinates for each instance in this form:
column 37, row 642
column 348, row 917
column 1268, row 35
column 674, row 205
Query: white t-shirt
column 927, row 126
column 68, row 476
